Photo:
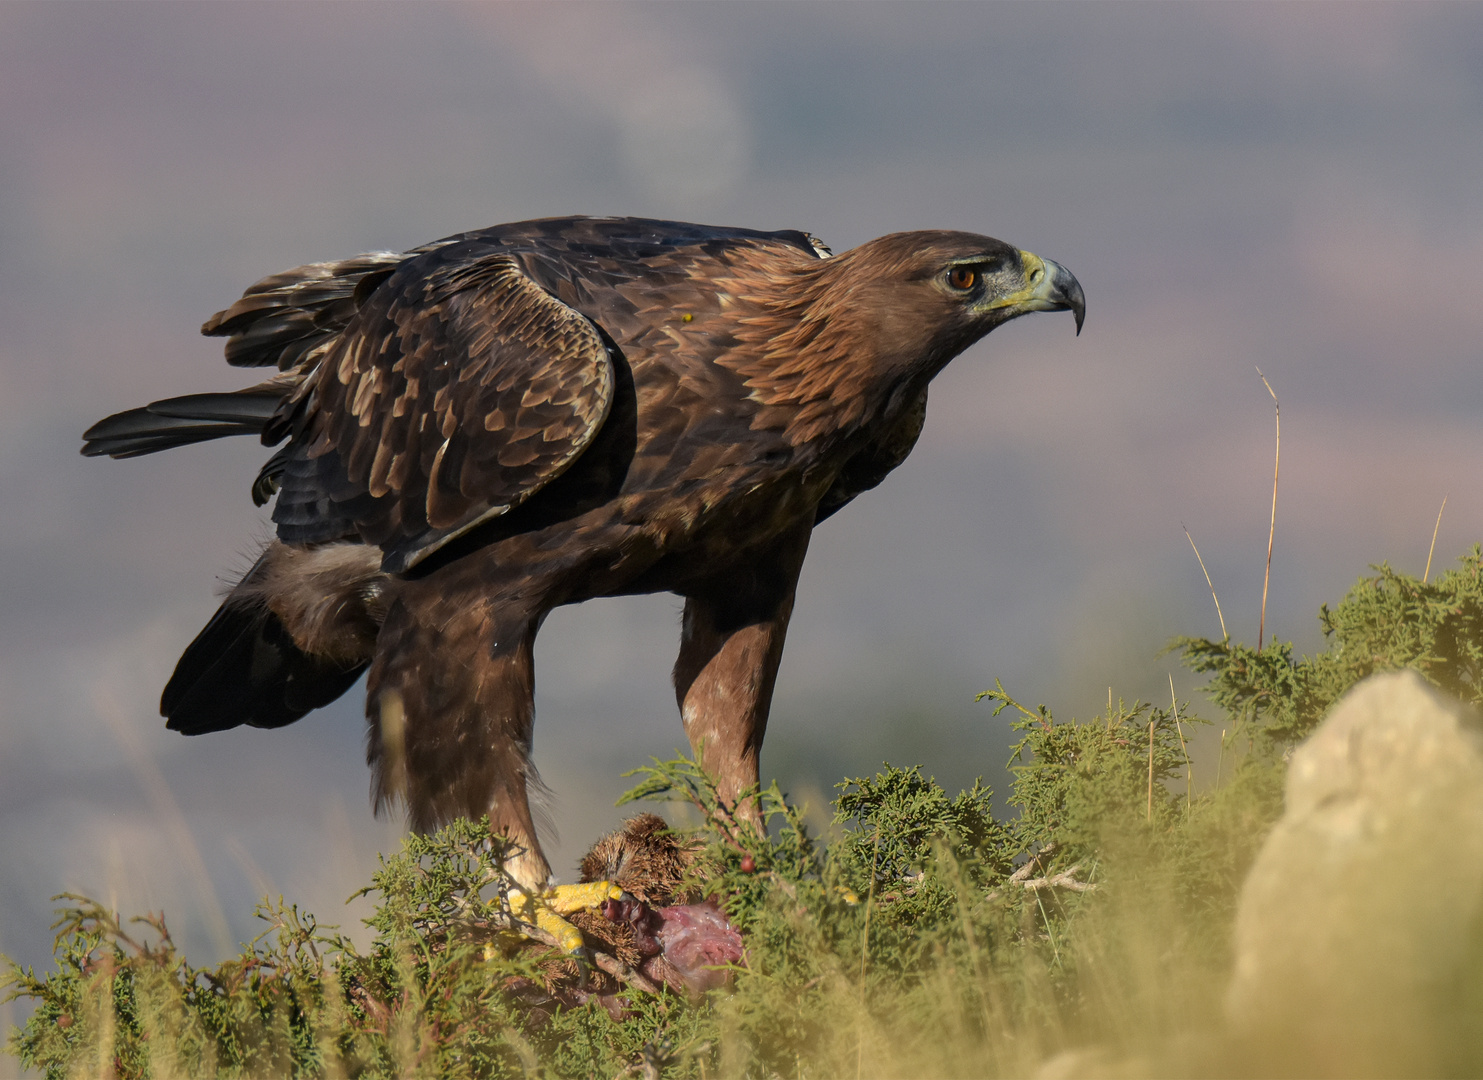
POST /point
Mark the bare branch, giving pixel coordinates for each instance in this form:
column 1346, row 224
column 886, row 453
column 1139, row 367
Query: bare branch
column 623, row 973
column 1066, row 879
column 1024, row 872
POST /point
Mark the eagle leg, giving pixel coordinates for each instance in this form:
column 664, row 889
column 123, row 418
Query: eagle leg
column 450, row 698
column 730, row 646
column 450, row 705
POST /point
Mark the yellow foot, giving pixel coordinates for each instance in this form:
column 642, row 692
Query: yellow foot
column 546, row 909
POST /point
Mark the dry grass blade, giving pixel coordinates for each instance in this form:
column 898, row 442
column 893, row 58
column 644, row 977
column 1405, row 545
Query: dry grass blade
column 1218, row 614
column 1189, row 768
column 1149, row 816
column 865, row 953
column 167, row 812
column 1433, row 549
column 1261, row 633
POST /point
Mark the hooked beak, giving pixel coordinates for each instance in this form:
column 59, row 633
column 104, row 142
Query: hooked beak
column 1049, row 286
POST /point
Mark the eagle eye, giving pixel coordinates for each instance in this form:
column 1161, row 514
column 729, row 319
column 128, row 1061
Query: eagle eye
column 962, row 277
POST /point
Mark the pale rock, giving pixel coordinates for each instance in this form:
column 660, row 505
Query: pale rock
column 1359, row 935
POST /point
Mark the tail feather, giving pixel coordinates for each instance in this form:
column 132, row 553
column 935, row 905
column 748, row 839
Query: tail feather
column 255, row 406
column 180, row 421
column 244, row 668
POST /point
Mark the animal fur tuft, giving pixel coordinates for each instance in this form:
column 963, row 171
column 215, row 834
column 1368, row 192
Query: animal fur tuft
column 643, row 858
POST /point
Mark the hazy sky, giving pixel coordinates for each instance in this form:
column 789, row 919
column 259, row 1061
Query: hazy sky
column 1296, row 187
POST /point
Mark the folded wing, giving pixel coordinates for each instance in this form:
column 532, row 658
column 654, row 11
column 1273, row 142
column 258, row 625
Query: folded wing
column 462, row 389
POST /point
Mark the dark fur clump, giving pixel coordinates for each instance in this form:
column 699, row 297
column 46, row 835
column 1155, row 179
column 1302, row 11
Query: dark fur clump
column 644, row 859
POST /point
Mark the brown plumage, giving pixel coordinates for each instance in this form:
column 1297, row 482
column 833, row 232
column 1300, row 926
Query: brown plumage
column 486, row 428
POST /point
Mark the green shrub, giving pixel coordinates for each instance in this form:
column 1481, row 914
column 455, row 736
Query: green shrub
column 924, row 935
column 1385, row 622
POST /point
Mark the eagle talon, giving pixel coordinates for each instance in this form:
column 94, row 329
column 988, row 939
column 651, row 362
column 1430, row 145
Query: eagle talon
column 545, row 911
column 586, row 965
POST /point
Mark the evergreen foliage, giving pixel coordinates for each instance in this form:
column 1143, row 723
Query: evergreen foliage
column 1386, row 622
column 923, row 935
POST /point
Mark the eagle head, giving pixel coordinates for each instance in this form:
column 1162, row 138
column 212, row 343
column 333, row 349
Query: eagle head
column 926, row 296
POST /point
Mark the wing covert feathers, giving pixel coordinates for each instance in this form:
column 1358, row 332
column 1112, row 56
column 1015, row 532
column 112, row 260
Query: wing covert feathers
column 464, row 389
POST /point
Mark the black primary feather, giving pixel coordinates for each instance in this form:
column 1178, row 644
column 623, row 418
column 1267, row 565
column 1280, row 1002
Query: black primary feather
column 270, row 476
column 243, row 668
column 180, row 421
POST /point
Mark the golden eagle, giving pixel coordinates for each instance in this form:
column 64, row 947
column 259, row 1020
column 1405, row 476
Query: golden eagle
column 485, row 428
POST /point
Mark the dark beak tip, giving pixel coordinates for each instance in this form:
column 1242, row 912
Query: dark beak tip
column 1069, row 288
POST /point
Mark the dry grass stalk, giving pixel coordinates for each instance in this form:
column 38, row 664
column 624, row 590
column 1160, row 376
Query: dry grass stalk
column 1432, row 550
column 1189, row 769
column 1261, row 639
column 1150, row 771
column 1218, row 614
column 865, row 952
column 167, row 811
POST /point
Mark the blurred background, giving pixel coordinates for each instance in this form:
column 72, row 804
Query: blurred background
column 1293, row 187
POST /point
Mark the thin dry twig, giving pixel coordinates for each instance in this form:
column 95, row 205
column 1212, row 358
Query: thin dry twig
column 1026, row 879
column 623, row 973
column 1150, row 771
column 784, row 884
column 654, row 1058
column 1218, row 614
column 1261, row 640
column 1189, row 773
column 1431, row 550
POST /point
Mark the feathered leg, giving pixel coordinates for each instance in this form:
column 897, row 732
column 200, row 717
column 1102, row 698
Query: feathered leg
column 450, row 699
column 730, row 646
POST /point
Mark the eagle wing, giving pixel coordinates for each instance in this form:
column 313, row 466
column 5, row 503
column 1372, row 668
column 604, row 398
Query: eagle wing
column 461, row 390
column 288, row 320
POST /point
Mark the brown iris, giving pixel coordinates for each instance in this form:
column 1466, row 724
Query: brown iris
column 962, row 277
